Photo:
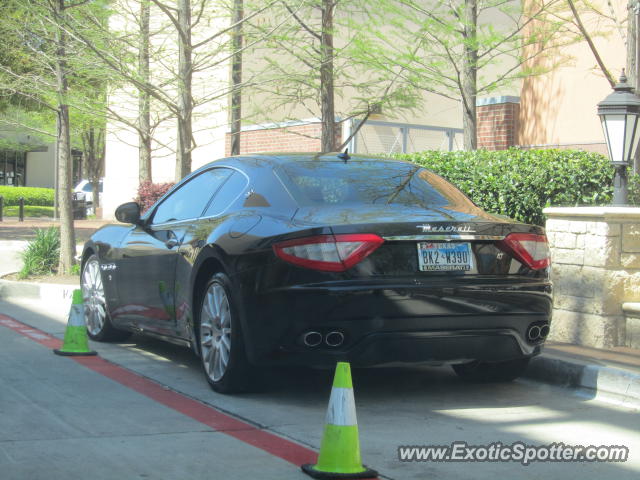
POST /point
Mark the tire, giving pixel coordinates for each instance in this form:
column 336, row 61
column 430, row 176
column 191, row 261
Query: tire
column 220, row 343
column 488, row 372
column 99, row 326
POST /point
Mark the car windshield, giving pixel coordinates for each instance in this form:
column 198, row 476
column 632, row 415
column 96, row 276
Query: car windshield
column 315, row 183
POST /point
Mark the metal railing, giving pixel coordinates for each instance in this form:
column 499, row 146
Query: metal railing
column 378, row 137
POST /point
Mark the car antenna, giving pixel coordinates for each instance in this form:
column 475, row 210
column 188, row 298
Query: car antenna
column 344, row 155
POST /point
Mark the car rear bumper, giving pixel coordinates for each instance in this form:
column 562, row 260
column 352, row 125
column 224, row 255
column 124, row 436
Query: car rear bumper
column 403, row 323
column 418, row 347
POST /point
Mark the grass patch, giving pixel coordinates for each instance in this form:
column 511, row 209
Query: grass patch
column 29, row 211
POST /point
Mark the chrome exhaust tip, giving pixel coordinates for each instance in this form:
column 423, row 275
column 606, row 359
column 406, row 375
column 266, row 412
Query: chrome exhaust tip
column 334, row 339
column 544, row 331
column 533, row 333
column 312, row 339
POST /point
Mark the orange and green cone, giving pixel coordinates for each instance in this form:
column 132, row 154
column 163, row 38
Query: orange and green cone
column 76, row 342
column 339, row 456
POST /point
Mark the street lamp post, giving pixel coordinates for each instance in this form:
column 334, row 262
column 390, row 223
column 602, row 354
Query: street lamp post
column 619, row 114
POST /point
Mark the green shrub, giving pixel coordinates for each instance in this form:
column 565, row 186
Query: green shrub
column 41, row 255
column 32, row 196
column 520, row 183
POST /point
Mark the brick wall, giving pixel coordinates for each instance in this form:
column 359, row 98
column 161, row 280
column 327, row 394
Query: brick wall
column 497, row 128
column 294, row 138
column 497, row 122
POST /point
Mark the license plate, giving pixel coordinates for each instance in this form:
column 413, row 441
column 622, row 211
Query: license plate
column 444, row 256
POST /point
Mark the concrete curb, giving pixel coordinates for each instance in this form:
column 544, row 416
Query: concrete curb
column 594, row 379
column 37, row 291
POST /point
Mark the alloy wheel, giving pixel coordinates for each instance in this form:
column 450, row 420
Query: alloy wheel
column 93, row 296
column 215, row 331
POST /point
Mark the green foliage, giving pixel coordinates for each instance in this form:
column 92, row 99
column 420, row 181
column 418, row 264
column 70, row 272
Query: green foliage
column 32, row 196
column 634, row 189
column 41, row 255
column 520, row 183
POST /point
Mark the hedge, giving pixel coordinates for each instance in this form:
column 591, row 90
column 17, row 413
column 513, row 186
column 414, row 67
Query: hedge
column 42, row 197
column 520, row 183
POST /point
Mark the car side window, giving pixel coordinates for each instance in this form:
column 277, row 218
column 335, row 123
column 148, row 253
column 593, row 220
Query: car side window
column 191, row 198
column 231, row 189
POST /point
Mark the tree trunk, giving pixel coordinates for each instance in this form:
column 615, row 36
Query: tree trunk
column 65, row 165
column 328, row 135
column 144, row 99
column 236, row 78
column 470, row 75
column 185, row 103
column 633, row 62
column 631, row 47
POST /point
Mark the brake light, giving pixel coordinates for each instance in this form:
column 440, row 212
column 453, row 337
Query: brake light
column 528, row 248
column 329, row 253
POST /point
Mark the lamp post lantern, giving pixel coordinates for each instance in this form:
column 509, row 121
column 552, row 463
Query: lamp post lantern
column 620, row 115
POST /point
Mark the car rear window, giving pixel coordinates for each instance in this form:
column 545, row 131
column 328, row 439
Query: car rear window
column 372, row 182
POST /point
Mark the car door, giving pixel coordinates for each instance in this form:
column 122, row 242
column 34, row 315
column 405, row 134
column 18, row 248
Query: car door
column 146, row 269
column 195, row 237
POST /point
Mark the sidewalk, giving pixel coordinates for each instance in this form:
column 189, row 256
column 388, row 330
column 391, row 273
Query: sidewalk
column 612, row 374
column 12, row 229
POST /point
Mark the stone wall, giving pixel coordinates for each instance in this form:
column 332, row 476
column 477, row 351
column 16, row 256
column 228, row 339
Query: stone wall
column 595, row 255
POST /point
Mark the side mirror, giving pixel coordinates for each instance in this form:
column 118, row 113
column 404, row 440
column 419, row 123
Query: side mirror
column 128, row 213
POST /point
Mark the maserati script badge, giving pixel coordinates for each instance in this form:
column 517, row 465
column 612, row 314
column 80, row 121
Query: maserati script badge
column 446, row 229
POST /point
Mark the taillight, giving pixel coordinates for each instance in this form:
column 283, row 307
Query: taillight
column 528, row 248
column 329, row 253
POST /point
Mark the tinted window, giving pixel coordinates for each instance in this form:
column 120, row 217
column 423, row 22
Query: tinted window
column 233, row 187
column 370, row 183
column 190, row 199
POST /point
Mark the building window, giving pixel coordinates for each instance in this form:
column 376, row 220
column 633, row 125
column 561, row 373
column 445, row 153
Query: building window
column 13, row 167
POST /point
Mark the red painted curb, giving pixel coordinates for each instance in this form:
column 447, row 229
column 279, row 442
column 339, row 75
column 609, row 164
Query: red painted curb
column 218, row 421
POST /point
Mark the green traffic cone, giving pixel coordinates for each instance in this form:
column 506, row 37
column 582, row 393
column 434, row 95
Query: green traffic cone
column 339, row 456
column 76, row 342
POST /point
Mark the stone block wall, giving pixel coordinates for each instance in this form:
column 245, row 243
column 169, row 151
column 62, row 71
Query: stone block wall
column 595, row 258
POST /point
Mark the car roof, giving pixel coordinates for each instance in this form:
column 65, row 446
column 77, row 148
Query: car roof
column 282, row 158
column 271, row 160
column 277, row 159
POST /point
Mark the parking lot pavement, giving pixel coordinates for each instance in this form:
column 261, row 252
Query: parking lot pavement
column 62, row 416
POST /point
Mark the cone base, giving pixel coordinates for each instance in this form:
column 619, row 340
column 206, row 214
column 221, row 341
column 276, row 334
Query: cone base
column 312, row 472
column 74, row 354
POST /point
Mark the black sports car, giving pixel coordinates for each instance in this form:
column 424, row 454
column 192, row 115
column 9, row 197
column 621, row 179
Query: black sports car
column 308, row 259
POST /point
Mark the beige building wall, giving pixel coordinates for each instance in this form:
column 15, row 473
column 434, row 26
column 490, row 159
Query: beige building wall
column 559, row 108
column 433, row 109
column 41, row 168
column 209, row 117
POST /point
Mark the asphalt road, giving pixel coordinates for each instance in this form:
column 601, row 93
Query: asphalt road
column 143, row 410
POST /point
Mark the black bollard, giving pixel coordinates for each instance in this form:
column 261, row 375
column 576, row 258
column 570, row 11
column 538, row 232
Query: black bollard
column 1, row 206
column 21, row 209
